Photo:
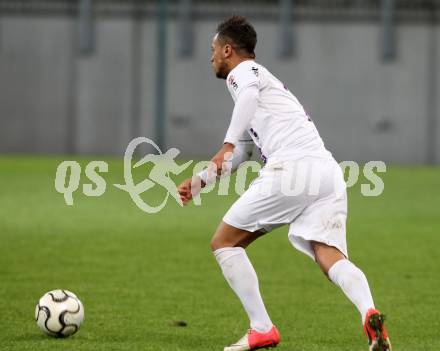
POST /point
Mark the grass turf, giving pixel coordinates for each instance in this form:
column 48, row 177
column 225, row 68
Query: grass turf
column 136, row 273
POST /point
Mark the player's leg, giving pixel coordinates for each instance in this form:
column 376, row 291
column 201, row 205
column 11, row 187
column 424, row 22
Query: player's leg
column 228, row 245
column 228, row 236
column 260, row 209
column 344, row 274
column 320, row 232
column 354, row 284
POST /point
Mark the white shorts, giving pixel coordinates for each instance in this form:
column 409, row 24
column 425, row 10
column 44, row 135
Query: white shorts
column 308, row 194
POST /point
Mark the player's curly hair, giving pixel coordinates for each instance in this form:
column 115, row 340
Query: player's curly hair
column 238, row 32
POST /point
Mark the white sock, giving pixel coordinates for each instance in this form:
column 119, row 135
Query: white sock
column 241, row 276
column 354, row 284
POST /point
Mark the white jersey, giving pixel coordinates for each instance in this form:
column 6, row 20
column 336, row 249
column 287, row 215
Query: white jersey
column 280, row 127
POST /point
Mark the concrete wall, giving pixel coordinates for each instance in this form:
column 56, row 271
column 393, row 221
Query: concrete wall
column 35, row 72
column 104, row 91
column 55, row 101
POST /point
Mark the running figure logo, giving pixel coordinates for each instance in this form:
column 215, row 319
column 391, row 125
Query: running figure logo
column 163, row 165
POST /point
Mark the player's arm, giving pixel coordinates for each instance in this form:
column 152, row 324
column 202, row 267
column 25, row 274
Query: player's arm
column 232, row 151
column 241, row 152
column 228, row 160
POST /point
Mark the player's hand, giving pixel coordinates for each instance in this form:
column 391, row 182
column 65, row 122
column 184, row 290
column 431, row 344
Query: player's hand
column 189, row 188
column 184, row 190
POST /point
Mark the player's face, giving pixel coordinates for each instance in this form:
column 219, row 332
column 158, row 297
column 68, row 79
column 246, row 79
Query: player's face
column 218, row 59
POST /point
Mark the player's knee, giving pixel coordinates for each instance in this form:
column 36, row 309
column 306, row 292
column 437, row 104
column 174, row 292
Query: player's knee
column 326, row 256
column 215, row 244
column 324, row 268
column 220, row 242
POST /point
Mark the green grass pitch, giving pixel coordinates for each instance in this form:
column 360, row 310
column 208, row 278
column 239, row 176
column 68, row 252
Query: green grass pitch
column 136, row 273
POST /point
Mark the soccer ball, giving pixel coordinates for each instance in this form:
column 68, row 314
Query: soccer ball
column 59, row 313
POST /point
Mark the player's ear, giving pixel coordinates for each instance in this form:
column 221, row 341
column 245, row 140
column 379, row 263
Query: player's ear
column 227, row 50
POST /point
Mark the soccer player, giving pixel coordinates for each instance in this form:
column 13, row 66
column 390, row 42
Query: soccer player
column 292, row 150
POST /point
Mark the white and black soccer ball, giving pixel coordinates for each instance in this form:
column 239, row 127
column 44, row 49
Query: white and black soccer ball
column 59, row 313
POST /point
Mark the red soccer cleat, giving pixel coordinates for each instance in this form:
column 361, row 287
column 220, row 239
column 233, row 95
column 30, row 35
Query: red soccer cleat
column 254, row 340
column 378, row 339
